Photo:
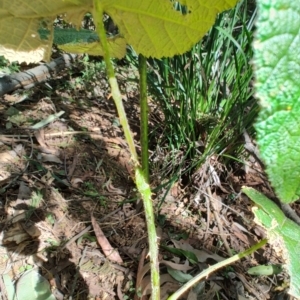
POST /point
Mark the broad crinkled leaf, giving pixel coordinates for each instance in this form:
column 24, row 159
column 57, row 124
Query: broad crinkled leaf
column 154, row 28
column 45, row 8
column 277, row 65
column 22, row 43
column 20, row 21
column 283, row 234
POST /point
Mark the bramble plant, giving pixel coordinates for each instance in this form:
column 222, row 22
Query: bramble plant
column 159, row 29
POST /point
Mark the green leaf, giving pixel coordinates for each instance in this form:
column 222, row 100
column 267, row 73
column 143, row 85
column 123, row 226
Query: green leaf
column 277, row 65
column 265, row 270
column 179, row 276
column 283, row 234
column 187, row 254
column 158, row 28
column 154, row 28
column 9, row 287
column 12, row 111
column 48, row 120
column 33, row 286
column 23, row 43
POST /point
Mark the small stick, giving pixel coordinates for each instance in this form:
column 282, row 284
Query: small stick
column 219, row 223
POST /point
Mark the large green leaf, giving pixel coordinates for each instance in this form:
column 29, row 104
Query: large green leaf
column 153, row 27
column 33, row 286
column 283, row 234
column 277, row 65
column 156, row 28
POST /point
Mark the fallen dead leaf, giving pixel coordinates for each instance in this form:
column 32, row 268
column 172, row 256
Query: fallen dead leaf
column 175, row 190
column 112, row 189
column 15, row 216
column 214, row 289
column 140, row 273
column 50, row 158
column 119, row 281
column 47, row 178
column 44, row 147
column 40, row 137
column 4, row 176
column 32, row 230
column 11, row 155
column 180, row 267
column 13, row 99
column 24, row 191
column 164, row 278
column 167, row 289
column 192, row 295
column 73, row 166
column 238, row 232
column 15, row 234
column 75, row 182
column 111, row 253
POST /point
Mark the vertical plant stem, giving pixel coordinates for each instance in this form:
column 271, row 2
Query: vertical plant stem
column 116, row 94
column 145, row 191
column 144, row 115
column 140, row 178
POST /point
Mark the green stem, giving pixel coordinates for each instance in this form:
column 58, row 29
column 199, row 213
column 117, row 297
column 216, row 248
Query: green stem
column 145, row 191
column 215, row 267
column 144, row 115
column 140, row 177
column 116, row 94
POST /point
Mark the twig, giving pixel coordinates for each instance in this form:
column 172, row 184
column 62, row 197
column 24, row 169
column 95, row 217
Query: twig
column 249, row 287
column 77, row 236
column 52, row 134
column 222, row 235
column 87, row 229
column 249, row 146
column 208, row 217
column 290, row 213
column 228, row 207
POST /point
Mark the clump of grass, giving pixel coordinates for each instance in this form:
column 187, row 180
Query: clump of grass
column 206, row 94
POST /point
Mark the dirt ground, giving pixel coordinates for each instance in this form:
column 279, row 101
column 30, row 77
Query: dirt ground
column 66, row 189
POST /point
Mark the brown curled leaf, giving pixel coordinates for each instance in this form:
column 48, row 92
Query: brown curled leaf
column 111, row 253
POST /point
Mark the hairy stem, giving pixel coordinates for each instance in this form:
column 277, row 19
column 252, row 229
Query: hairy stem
column 140, row 177
column 144, row 115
